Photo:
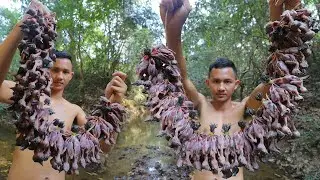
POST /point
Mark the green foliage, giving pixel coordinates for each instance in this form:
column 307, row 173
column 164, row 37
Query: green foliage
column 4, row 115
column 101, row 37
column 8, row 18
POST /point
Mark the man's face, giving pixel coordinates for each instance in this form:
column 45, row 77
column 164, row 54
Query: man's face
column 222, row 83
column 61, row 74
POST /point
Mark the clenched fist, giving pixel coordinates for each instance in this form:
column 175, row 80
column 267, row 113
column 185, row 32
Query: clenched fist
column 116, row 88
column 174, row 14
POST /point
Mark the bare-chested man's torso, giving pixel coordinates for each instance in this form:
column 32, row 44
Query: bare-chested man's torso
column 23, row 167
column 208, row 115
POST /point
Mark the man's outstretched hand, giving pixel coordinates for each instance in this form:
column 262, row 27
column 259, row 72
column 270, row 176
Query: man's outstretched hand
column 116, row 88
column 174, row 14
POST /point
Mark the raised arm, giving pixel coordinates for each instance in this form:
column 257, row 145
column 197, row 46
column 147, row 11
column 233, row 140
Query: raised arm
column 276, row 9
column 253, row 101
column 7, row 49
column 174, row 14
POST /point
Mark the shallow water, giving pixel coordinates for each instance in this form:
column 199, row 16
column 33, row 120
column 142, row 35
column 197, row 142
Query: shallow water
column 7, row 143
column 139, row 154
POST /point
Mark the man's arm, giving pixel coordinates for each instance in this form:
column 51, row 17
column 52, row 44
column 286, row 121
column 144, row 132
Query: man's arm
column 7, row 50
column 81, row 120
column 81, row 116
column 115, row 92
column 174, row 14
column 253, row 101
column 276, row 7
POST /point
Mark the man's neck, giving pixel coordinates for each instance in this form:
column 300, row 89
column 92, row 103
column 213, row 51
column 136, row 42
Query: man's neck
column 57, row 95
column 222, row 106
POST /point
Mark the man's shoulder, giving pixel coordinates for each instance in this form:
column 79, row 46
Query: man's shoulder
column 239, row 105
column 241, row 102
column 203, row 101
column 78, row 110
column 72, row 106
column 203, row 98
column 236, row 103
column 80, row 115
column 76, row 107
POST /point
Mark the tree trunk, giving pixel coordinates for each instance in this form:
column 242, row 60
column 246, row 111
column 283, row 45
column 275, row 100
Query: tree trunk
column 81, row 87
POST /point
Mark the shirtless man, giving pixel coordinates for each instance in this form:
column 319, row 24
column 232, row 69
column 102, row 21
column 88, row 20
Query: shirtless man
column 23, row 166
column 222, row 81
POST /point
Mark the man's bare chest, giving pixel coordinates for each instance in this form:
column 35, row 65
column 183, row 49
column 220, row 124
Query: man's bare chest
column 208, row 116
column 64, row 113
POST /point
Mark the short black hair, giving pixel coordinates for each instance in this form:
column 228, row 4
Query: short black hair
column 63, row 54
column 220, row 63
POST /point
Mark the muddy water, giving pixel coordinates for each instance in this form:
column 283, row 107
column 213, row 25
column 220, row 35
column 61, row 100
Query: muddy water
column 139, row 154
column 7, row 142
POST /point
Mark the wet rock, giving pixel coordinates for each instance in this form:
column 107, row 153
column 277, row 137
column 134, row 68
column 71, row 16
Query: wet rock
column 272, row 160
column 122, row 157
column 277, row 175
column 158, row 165
column 152, row 147
column 289, row 159
column 120, row 178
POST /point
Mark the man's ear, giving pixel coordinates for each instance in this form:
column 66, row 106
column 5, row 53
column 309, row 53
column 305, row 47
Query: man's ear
column 72, row 73
column 207, row 82
column 238, row 82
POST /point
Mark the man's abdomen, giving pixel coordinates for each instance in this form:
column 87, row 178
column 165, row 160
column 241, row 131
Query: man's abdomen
column 24, row 168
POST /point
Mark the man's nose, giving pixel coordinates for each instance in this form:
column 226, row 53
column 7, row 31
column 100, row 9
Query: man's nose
column 59, row 75
column 221, row 87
